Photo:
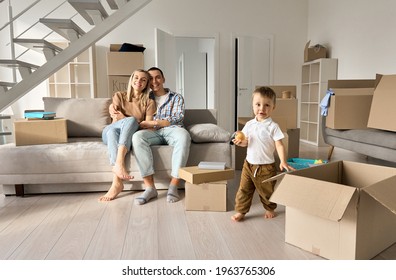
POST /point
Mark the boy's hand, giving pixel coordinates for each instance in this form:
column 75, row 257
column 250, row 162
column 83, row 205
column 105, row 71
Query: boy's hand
column 285, row 167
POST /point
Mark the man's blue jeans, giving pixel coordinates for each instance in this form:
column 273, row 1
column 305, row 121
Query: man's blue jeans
column 119, row 133
column 175, row 136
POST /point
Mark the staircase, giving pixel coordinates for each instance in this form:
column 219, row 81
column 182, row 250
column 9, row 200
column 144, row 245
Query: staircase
column 103, row 16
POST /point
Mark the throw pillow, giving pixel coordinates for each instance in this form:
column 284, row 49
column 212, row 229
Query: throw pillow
column 208, row 132
column 86, row 117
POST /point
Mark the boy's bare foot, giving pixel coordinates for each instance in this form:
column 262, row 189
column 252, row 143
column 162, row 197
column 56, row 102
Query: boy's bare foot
column 237, row 217
column 115, row 189
column 121, row 173
column 269, row 214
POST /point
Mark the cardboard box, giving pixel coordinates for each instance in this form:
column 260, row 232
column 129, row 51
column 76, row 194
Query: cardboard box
column 340, row 210
column 314, row 52
column 124, row 63
column 206, row 197
column 117, row 83
column 34, row 132
column 382, row 111
column 195, row 175
column 350, row 105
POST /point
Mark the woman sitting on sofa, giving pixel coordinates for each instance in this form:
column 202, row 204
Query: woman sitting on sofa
column 129, row 109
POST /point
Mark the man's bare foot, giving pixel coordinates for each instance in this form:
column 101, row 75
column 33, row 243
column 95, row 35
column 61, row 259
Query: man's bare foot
column 237, row 217
column 121, row 173
column 115, row 189
column 269, row 214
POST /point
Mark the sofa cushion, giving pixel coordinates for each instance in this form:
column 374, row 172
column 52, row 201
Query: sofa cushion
column 86, row 117
column 208, row 132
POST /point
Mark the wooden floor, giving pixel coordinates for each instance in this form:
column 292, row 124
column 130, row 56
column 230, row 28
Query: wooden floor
column 77, row 227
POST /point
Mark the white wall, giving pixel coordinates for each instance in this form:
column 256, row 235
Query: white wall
column 360, row 33
column 286, row 20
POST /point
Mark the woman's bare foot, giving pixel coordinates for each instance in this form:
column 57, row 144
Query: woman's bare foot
column 115, row 189
column 269, row 214
column 121, row 172
column 237, row 217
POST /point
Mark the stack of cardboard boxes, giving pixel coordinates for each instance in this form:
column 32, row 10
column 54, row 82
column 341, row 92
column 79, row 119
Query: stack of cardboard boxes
column 120, row 66
column 206, row 189
column 285, row 114
column 360, row 104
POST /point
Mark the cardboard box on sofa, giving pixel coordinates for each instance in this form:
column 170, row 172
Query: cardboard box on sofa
column 33, row 132
column 382, row 111
column 123, row 63
column 117, row 83
column 195, row 175
column 340, row 210
column 206, row 196
column 349, row 107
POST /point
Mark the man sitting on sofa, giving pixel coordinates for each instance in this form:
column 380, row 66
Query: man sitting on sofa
column 165, row 129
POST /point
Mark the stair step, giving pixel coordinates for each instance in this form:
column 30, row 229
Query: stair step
column 116, row 4
column 66, row 28
column 25, row 68
column 86, row 9
column 4, row 87
column 40, row 45
column 6, row 84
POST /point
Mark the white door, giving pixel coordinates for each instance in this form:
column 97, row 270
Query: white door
column 194, row 75
column 253, row 68
column 165, row 56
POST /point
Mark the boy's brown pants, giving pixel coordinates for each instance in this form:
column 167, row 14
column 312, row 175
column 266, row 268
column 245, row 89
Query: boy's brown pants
column 252, row 178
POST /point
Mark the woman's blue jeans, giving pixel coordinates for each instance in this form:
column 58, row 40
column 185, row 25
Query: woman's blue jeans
column 117, row 134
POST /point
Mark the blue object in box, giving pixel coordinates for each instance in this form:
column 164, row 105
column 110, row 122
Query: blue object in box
column 301, row 163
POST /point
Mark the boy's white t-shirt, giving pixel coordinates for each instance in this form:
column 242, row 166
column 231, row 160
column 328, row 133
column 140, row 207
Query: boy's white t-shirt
column 262, row 136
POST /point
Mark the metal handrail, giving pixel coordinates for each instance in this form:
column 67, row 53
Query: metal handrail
column 20, row 14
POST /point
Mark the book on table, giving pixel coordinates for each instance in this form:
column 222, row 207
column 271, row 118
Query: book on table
column 42, row 115
column 212, row 165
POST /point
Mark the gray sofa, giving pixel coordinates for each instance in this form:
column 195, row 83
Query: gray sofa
column 371, row 142
column 82, row 164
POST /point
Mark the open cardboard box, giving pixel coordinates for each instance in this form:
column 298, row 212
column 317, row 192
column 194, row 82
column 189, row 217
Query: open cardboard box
column 314, row 52
column 382, row 111
column 350, row 105
column 340, row 210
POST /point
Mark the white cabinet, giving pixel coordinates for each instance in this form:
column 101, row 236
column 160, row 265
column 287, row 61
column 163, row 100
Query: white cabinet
column 315, row 76
column 77, row 78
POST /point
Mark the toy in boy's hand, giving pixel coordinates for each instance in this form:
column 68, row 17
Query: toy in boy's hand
column 238, row 135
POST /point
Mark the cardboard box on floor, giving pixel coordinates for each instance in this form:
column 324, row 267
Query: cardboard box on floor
column 340, row 210
column 206, row 189
column 34, row 132
column 206, row 197
column 350, row 105
column 382, row 111
column 123, row 63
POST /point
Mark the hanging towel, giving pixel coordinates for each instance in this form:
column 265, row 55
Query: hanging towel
column 325, row 103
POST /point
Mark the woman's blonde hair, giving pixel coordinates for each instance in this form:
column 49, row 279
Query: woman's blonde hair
column 145, row 92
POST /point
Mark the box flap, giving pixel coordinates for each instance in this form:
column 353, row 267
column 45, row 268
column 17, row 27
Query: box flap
column 320, row 198
column 353, row 91
column 368, row 83
column 384, row 192
column 382, row 107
